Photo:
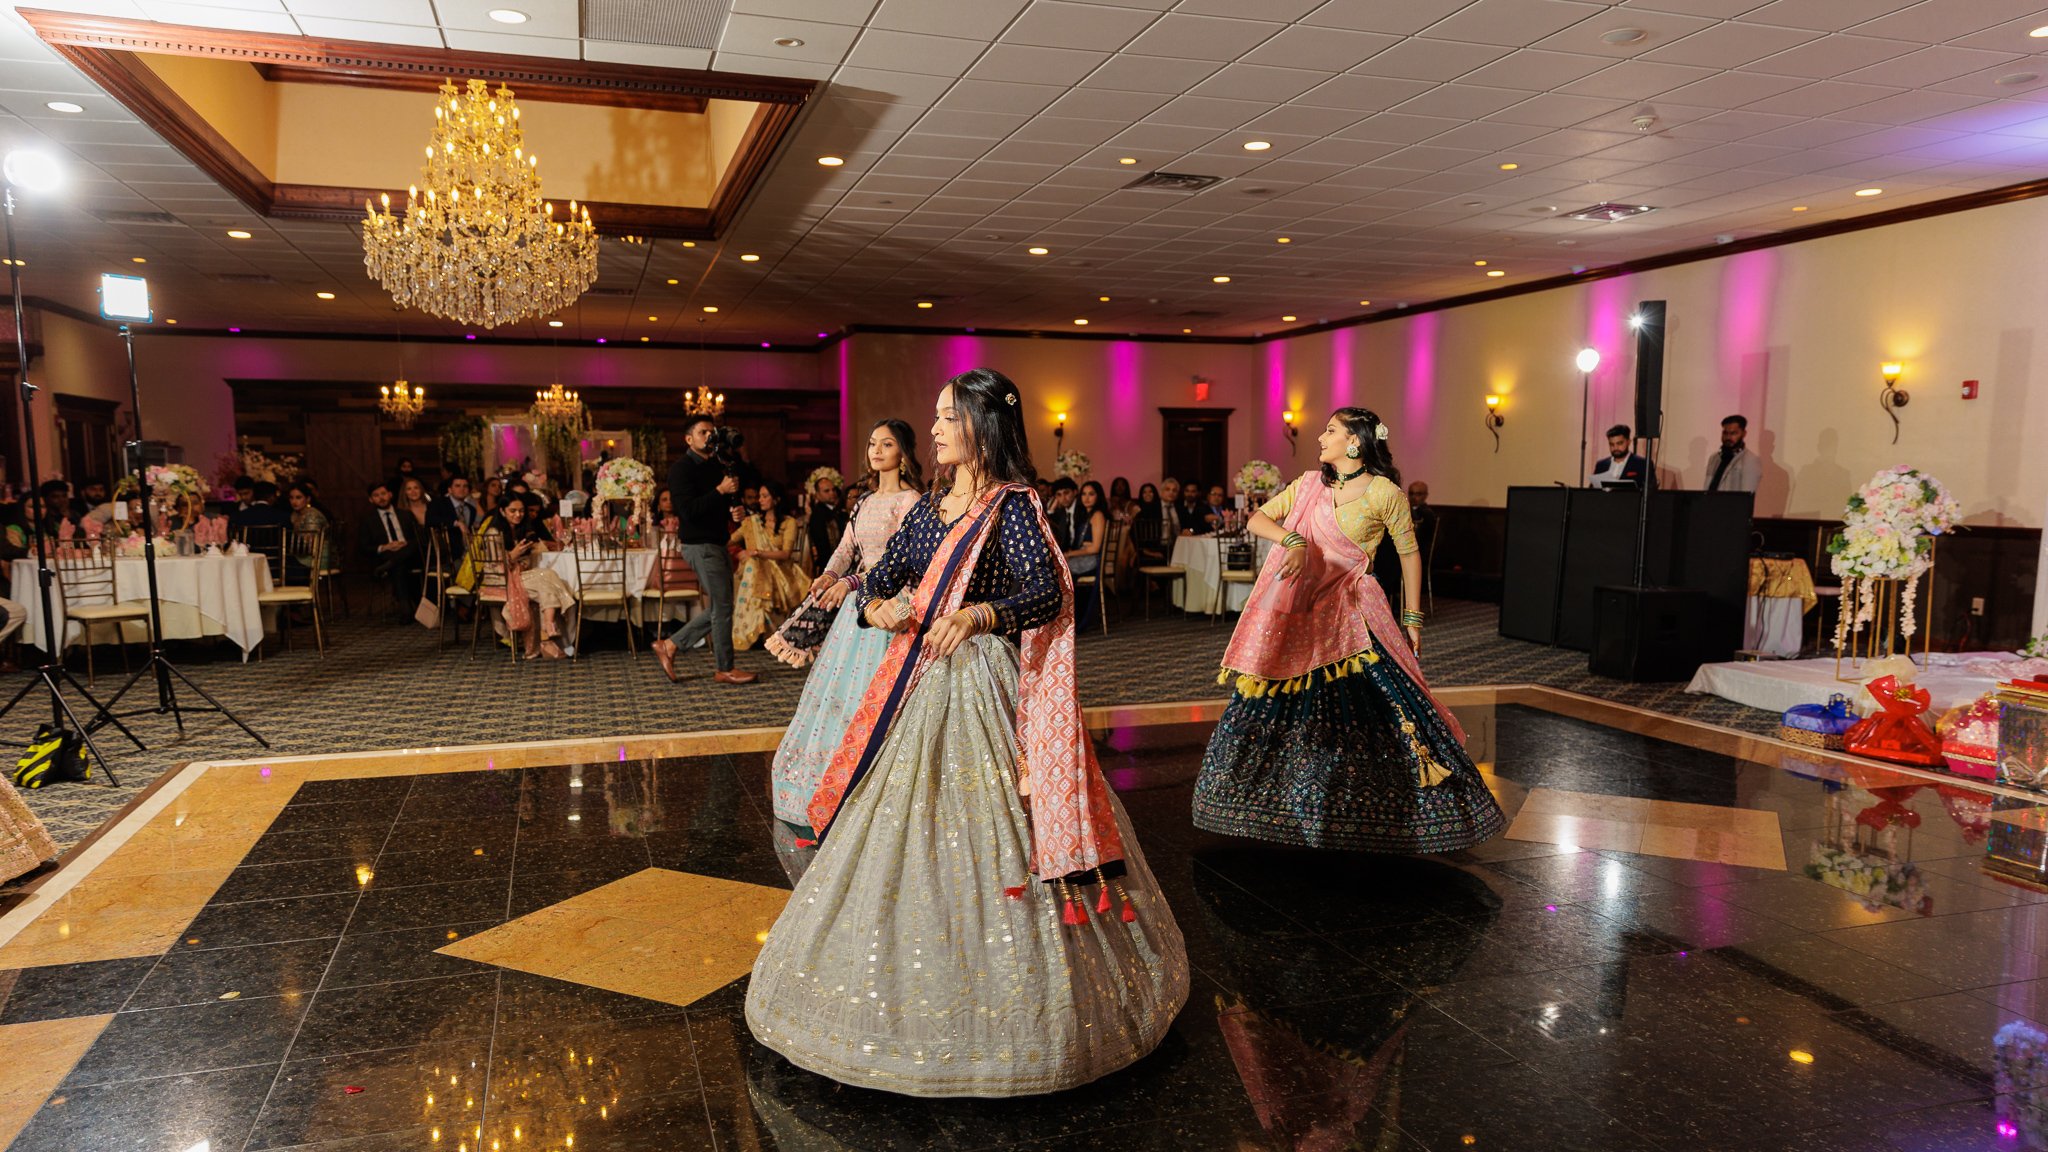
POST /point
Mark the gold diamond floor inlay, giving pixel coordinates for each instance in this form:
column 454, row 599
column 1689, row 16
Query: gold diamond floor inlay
column 657, row 934
column 1741, row 836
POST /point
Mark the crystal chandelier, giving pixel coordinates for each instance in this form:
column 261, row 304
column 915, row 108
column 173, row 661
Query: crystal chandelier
column 704, row 402
column 480, row 246
column 402, row 402
column 556, row 406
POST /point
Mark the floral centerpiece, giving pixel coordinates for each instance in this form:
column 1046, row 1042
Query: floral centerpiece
column 1258, row 480
column 256, row 464
column 821, row 474
column 179, row 490
column 625, row 478
column 1888, row 531
column 1074, row 466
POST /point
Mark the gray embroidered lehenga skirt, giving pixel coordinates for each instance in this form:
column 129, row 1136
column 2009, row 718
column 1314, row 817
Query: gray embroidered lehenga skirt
column 900, row 962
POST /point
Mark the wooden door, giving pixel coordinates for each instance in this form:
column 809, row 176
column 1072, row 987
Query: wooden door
column 85, row 437
column 343, row 450
column 1197, row 445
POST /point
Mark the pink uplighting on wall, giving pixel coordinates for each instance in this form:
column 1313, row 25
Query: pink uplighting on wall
column 1608, row 304
column 959, row 354
column 846, row 444
column 1740, row 352
column 1340, row 369
column 1419, row 395
column 1126, row 390
column 1276, row 393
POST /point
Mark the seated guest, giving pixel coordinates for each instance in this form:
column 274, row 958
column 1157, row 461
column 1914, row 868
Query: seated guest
column 535, row 598
column 405, row 469
column 1621, row 467
column 1148, row 526
column 1090, row 514
column 56, row 502
column 1736, row 468
column 92, row 492
column 305, row 518
column 494, row 492
column 827, row 522
column 1219, row 509
column 1120, row 499
column 245, row 494
column 1424, row 518
column 1062, row 513
column 1169, row 511
column 262, row 511
column 1044, row 489
column 770, row 583
column 1192, row 510
column 455, row 511
column 389, row 539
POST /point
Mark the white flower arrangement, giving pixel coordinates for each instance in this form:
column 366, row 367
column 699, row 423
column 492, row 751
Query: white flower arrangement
column 1074, row 466
column 1874, row 880
column 176, row 480
column 1259, row 478
column 625, row 478
column 2019, row 1058
column 822, row 473
column 1888, row 531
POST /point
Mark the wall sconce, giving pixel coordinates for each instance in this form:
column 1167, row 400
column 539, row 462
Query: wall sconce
column 1893, row 397
column 1494, row 420
column 1059, row 432
column 1293, row 430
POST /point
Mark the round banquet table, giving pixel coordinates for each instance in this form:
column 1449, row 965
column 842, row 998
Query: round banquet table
column 201, row 596
column 1197, row 592
column 639, row 574
column 1780, row 595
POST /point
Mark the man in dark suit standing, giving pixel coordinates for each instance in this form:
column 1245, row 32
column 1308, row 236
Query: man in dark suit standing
column 1621, row 467
column 389, row 540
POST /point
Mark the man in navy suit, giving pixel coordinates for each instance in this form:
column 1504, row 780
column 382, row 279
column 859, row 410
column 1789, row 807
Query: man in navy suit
column 1621, row 467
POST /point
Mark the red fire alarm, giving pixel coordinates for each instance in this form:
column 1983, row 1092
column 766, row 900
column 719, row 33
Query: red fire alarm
column 1201, row 389
column 1969, row 389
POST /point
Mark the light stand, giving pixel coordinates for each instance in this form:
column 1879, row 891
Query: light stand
column 128, row 297
column 51, row 674
column 1587, row 360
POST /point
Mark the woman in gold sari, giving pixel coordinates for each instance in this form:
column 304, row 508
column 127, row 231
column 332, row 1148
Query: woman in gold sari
column 771, row 582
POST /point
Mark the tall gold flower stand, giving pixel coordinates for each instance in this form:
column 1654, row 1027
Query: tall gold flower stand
column 1869, row 650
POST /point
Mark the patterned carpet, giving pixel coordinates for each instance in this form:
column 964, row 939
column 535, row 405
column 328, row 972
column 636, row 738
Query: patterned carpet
column 384, row 685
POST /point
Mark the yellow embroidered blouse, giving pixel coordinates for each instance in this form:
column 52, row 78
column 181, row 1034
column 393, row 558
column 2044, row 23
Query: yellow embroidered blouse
column 1382, row 511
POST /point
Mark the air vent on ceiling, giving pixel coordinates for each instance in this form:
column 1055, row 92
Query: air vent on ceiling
column 244, row 278
column 1608, row 213
column 156, row 219
column 1173, row 182
column 675, row 23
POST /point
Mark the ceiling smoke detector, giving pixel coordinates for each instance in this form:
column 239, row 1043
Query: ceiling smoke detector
column 1609, row 213
column 1645, row 122
column 1174, row 182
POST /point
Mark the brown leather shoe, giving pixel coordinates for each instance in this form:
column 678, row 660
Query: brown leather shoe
column 665, row 651
column 734, row 676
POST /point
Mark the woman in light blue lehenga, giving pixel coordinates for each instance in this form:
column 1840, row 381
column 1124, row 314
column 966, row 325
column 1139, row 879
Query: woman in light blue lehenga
column 849, row 654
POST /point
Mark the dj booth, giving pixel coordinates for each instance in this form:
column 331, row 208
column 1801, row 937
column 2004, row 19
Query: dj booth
column 1569, row 576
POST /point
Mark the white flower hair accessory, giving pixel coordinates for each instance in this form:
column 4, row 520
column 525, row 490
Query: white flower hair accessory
column 1010, row 398
column 1379, row 432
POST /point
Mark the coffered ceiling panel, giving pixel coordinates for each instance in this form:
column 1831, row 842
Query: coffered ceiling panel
column 1403, row 141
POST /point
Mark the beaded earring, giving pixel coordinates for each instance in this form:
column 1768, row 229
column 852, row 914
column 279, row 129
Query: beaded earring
column 1352, row 452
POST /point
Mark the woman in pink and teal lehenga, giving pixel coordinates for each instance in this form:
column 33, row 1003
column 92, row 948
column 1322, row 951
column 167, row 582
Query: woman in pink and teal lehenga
column 1331, row 738
column 978, row 920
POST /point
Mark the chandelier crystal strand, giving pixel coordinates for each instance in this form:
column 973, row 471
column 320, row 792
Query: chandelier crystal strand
column 479, row 245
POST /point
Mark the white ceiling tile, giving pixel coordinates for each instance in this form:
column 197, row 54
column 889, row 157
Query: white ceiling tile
column 1070, row 131
column 1461, row 101
column 1830, row 56
column 1910, row 108
column 849, row 12
column 1028, row 64
column 364, row 30
column 1824, row 15
column 1258, row 82
column 1929, row 66
column 723, row 61
column 1105, row 104
column 274, row 20
column 1400, row 17
column 1294, row 119
column 1057, row 24
column 1731, row 45
column 646, row 55
column 1531, row 70
column 1362, row 93
column 513, row 45
column 1202, row 37
column 1420, row 58
column 910, row 52
column 556, row 18
column 1731, row 89
column 1657, row 29
column 1512, row 22
column 1636, row 80
column 1822, row 99
column 1394, row 128
column 878, row 83
column 980, row 20
column 1132, row 73
column 378, row 11
column 993, row 96
column 1326, row 49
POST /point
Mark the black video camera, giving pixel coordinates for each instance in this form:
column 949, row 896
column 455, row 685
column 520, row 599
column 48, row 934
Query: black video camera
column 725, row 447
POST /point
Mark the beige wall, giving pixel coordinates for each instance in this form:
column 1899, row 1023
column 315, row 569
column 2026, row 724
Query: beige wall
column 78, row 360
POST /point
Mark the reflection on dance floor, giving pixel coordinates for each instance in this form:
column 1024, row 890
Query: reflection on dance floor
column 1672, row 948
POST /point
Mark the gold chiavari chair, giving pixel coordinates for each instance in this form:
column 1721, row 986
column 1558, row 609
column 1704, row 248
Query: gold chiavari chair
column 601, row 581
column 1108, row 563
column 1237, row 562
column 295, row 580
column 1147, row 573
column 672, row 579
column 85, row 576
column 493, row 583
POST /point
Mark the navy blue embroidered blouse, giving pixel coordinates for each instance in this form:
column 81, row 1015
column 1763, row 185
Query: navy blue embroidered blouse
column 1015, row 574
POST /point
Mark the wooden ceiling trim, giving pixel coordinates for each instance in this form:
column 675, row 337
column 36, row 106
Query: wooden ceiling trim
column 345, row 205
column 532, row 91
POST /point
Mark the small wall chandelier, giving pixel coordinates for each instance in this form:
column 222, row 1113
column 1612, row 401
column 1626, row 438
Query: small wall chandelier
column 557, row 406
column 480, row 246
column 403, row 403
column 704, row 402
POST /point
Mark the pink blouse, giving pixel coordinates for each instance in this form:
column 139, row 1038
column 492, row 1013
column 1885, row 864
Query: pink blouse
column 874, row 522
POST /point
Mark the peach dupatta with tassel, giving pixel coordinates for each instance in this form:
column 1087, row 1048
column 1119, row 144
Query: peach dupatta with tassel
column 1073, row 827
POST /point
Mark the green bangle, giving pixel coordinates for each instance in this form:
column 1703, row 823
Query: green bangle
column 1294, row 540
column 1411, row 618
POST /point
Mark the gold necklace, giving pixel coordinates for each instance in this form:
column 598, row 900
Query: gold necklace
column 1342, row 480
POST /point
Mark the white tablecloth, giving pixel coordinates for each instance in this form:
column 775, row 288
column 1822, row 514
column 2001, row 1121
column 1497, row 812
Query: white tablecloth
column 201, row 596
column 1776, row 685
column 1774, row 625
column 639, row 574
column 1198, row 555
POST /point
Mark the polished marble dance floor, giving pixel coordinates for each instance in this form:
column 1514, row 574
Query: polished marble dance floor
column 1688, row 939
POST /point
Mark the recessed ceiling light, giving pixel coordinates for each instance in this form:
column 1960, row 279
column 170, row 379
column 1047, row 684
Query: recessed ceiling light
column 689, row 243
column 170, row 321
column 1623, row 35
column 788, row 42
column 1037, row 251
column 508, row 15
column 324, row 295
column 1283, row 239
column 749, row 257
column 1187, row 331
column 711, row 307
column 1257, row 145
column 1219, row 279
column 1509, row 166
column 1287, row 319
column 1799, row 207
column 675, row 281
column 1082, row 321
column 1870, row 191
column 1495, row 272
column 1127, row 159
column 654, row 319
column 237, row 234
column 2040, row 32
column 1102, row 299
column 64, row 106
column 1365, row 303
column 1479, row 263
column 2015, row 79
column 924, row 303
column 644, row 339
column 554, row 323
column 138, row 259
column 831, row 161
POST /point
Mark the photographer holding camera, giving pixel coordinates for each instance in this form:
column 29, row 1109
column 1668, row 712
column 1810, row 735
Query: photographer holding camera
column 705, row 484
